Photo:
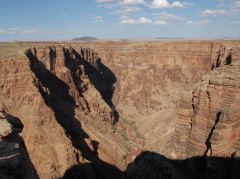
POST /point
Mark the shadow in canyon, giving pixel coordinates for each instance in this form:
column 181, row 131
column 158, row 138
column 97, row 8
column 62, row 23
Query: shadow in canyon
column 56, row 94
column 150, row 165
column 100, row 76
column 228, row 61
column 27, row 169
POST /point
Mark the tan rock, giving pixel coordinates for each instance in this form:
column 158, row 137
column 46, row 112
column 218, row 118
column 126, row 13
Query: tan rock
column 5, row 128
column 61, row 95
column 214, row 130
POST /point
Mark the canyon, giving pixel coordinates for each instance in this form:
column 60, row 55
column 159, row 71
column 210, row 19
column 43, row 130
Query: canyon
column 120, row 109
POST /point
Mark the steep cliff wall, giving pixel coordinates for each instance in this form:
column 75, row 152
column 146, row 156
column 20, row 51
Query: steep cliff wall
column 207, row 112
column 69, row 97
column 151, row 77
column 21, row 98
column 208, row 122
column 67, row 119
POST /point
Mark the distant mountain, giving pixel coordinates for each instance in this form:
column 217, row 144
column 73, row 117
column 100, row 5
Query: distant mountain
column 85, row 38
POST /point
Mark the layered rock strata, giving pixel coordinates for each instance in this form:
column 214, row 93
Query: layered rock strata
column 208, row 121
column 59, row 95
column 86, row 112
column 151, row 78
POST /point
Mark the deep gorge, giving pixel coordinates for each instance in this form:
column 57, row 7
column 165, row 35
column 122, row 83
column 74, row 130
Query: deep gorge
column 124, row 110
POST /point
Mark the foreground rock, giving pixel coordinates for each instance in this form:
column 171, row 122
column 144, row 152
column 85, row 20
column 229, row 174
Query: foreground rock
column 208, row 122
column 14, row 160
column 61, row 97
column 5, row 128
column 10, row 156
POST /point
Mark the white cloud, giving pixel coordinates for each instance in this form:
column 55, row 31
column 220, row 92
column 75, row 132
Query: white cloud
column 125, row 10
column 107, row 3
column 131, row 2
column 169, row 17
column 144, row 20
column 164, row 4
column 98, row 19
column 187, row 4
column 118, row 3
column 128, row 21
column 202, row 22
column 177, row 4
column 165, row 18
column 214, row 12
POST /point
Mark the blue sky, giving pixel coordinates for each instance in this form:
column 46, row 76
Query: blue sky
column 114, row 19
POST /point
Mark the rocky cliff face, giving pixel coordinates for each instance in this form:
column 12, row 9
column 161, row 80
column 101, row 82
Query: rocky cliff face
column 209, row 116
column 206, row 113
column 151, row 77
column 86, row 111
column 64, row 115
column 208, row 122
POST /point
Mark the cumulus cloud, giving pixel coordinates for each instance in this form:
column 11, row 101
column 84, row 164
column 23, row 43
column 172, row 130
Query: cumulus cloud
column 119, row 4
column 202, row 22
column 214, row 12
column 144, row 20
column 187, row 4
column 131, row 2
column 165, row 18
column 169, row 17
column 125, row 10
column 128, row 21
column 164, row 4
column 158, row 19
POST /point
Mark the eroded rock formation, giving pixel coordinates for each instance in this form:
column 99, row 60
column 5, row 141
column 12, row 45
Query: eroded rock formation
column 14, row 159
column 90, row 113
column 152, row 76
column 63, row 113
column 209, row 116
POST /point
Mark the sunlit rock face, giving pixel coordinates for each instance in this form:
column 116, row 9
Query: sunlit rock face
column 92, row 109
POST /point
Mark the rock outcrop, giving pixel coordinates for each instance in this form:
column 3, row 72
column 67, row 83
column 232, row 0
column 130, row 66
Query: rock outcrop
column 14, row 159
column 208, row 122
column 9, row 151
column 5, row 127
column 90, row 113
column 59, row 94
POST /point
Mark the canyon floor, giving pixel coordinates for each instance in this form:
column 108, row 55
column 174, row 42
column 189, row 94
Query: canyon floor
column 120, row 109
